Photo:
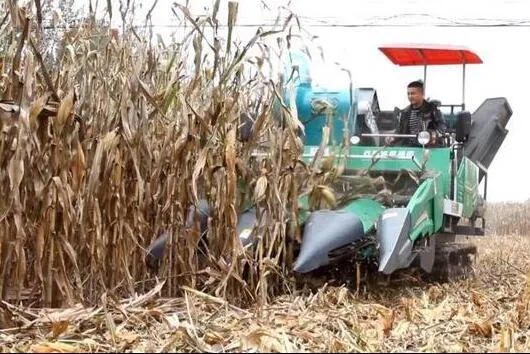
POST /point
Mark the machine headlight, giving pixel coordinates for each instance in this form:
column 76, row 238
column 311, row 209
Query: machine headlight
column 355, row 140
column 424, row 137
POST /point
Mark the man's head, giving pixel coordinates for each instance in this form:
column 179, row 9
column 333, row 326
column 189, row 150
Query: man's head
column 415, row 93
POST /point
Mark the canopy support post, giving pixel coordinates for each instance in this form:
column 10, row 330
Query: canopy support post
column 424, row 70
column 424, row 77
column 464, row 86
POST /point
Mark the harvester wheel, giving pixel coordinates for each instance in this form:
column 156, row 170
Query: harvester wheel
column 453, row 262
column 354, row 275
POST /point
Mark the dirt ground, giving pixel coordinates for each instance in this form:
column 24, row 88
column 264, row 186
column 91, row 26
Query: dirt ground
column 487, row 313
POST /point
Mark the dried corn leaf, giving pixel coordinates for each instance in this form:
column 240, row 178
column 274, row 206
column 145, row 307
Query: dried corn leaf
column 16, row 171
column 64, row 111
column 264, row 341
column 484, row 329
column 55, row 347
column 260, row 189
column 59, row 328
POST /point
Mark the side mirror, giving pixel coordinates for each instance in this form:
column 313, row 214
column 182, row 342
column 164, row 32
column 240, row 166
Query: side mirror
column 462, row 126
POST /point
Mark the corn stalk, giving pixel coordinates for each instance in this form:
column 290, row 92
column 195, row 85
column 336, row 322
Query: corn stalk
column 108, row 150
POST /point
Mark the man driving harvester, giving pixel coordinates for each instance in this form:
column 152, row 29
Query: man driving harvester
column 419, row 115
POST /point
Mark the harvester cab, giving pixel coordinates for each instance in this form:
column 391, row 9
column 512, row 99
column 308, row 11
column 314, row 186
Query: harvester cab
column 455, row 115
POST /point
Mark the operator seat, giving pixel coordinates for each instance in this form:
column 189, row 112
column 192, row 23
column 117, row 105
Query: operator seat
column 387, row 121
column 437, row 103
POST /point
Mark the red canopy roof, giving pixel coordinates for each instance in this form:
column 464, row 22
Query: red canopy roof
column 413, row 54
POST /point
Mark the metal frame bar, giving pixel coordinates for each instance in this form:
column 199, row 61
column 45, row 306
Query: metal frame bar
column 455, row 176
column 424, row 70
column 464, row 86
column 463, row 80
column 374, row 157
column 485, row 186
column 485, row 170
column 355, row 156
column 384, row 135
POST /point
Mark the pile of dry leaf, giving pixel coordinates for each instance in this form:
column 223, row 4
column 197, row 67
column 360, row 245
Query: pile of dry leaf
column 487, row 313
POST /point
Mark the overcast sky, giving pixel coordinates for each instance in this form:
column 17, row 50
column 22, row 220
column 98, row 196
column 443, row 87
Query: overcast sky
column 504, row 50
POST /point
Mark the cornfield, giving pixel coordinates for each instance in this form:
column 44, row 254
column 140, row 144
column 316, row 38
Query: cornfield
column 508, row 218
column 109, row 149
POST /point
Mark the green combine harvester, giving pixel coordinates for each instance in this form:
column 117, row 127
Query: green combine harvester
column 419, row 197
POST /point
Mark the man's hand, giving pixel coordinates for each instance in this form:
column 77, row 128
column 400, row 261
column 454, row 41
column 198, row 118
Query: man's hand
column 389, row 140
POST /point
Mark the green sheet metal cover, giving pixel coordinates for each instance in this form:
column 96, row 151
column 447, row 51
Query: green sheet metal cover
column 368, row 210
column 467, row 182
column 363, row 157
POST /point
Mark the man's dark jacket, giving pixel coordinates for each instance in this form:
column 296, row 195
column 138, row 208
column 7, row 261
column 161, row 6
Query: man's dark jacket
column 429, row 114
